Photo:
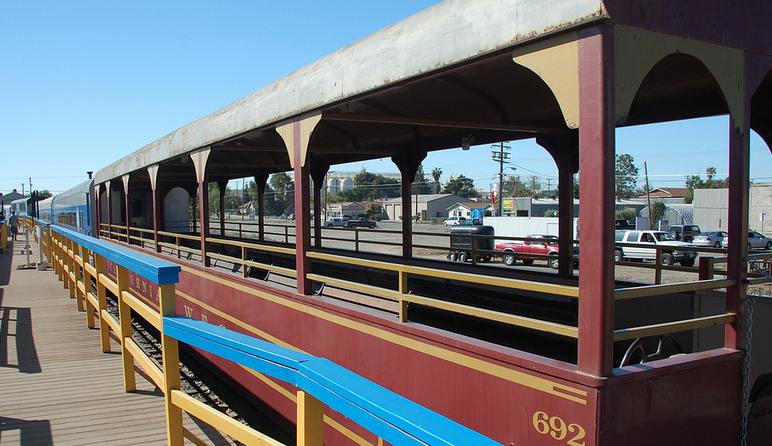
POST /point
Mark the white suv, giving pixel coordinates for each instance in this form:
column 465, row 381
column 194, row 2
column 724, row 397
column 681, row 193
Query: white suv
column 648, row 238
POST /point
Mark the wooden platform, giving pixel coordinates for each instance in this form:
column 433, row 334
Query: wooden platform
column 56, row 386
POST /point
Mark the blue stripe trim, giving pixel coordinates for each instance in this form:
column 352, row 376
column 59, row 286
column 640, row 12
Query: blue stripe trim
column 156, row 270
column 381, row 411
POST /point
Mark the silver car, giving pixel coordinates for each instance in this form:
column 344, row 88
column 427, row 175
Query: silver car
column 755, row 241
column 711, row 239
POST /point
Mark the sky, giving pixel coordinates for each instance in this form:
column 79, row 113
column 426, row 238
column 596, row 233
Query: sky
column 84, row 83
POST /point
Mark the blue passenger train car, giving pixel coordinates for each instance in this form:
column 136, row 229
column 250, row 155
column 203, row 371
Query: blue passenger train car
column 44, row 208
column 20, row 206
column 71, row 209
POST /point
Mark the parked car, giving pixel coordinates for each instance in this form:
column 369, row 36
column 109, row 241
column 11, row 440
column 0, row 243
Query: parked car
column 453, row 221
column 361, row 222
column 526, row 251
column 756, row 240
column 337, row 222
column 670, row 255
column 713, row 239
column 684, row 233
column 461, row 241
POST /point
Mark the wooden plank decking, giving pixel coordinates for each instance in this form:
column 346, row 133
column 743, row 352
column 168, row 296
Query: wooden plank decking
column 56, row 386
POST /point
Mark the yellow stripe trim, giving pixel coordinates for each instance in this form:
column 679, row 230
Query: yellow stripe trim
column 534, row 382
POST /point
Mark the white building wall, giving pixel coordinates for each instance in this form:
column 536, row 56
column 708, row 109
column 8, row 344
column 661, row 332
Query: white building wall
column 711, row 209
column 761, row 204
column 522, row 226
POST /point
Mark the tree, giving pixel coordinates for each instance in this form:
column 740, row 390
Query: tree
column 576, row 187
column 461, row 186
column 514, row 187
column 626, row 176
column 420, row 185
column 436, row 175
column 41, row 194
column 534, row 185
column 657, row 212
column 628, row 214
column 373, row 210
column 710, row 182
column 281, row 191
column 231, row 199
column 367, row 187
column 710, row 172
column 550, row 213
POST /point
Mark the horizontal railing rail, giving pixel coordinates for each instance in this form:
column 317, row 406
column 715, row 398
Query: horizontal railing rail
column 244, row 261
column 404, row 297
column 77, row 259
column 400, row 299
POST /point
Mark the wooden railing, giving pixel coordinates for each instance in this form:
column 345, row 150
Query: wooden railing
column 77, row 259
column 244, row 260
column 177, row 245
column 402, row 297
column 3, row 238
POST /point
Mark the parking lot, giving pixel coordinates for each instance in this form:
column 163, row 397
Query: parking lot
column 386, row 239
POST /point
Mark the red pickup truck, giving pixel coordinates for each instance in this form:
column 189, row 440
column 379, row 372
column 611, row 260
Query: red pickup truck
column 537, row 246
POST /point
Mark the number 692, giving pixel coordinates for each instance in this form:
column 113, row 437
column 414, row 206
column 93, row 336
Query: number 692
column 558, row 429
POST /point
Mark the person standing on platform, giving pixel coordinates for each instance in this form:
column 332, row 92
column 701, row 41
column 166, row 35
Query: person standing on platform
column 13, row 224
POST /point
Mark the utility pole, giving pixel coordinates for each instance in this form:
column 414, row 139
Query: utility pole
column 30, row 186
column 22, row 189
column 648, row 197
column 500, row 156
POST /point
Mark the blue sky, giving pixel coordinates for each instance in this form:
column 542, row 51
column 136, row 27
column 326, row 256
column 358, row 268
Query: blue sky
column 86, row 82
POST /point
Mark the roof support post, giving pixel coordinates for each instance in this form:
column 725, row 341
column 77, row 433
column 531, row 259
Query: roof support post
column 739, row 167
column 200, row 158
column 152, row 172
column 127, row 205
column 596, row 159
column 297, row 135
column 564, row 149
column 108, row 189
column 318, row 172
column 221, row 186
column 407, row 163
column 261, row 180
column 97, row 209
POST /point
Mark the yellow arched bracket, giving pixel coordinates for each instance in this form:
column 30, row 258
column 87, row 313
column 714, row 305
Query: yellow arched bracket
column 637, row 51
column 199, row 158
column 305, row 125
column 556, row 62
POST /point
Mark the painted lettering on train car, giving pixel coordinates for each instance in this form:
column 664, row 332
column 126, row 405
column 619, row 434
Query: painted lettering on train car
column 573, row 434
